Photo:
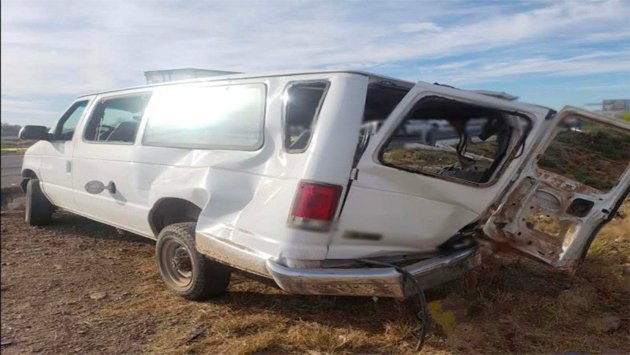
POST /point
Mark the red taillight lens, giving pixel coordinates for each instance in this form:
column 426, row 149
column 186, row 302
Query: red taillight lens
column 314, row 201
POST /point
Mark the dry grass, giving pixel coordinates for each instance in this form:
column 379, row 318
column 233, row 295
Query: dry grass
column 14, row 147
column 607, row 151
column 521, row 306
column 512, row 306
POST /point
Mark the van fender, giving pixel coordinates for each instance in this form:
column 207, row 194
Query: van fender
column 30, row 164
column 185, row 184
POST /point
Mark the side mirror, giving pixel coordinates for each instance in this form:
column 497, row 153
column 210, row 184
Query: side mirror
column 34, row 133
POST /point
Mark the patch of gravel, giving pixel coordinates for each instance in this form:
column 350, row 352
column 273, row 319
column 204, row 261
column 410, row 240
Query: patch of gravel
column 55, row 279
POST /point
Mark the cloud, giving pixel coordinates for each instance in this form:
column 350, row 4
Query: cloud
column 608, row 87
column 27, row 109
column 73, row 47
column 419, row 27
column 488, row 70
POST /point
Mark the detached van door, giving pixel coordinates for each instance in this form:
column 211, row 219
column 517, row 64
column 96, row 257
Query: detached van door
column 438, row 162
column 572, row 185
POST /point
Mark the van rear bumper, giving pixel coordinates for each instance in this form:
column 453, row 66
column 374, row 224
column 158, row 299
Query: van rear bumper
column 360, row 281
column 381, row 281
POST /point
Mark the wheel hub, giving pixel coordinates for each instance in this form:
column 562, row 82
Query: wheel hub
column 181, row 261
column 176, row 263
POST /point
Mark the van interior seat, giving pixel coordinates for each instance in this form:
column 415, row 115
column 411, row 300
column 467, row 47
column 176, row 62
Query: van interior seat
column 302, row 140
column 124, row 132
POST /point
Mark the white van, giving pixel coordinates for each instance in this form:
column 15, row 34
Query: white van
column 312, row 179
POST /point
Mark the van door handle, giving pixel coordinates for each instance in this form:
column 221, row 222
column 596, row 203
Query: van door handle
column 95, row 187
column 111, row 187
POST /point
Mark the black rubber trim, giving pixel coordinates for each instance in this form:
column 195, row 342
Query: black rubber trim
column 611, row 215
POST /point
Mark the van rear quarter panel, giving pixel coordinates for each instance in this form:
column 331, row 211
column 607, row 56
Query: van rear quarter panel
column 251, row 193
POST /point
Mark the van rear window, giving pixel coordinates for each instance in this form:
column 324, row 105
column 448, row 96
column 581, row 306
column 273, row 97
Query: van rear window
column 454, row 140
column 217, row 117
column 303, row 101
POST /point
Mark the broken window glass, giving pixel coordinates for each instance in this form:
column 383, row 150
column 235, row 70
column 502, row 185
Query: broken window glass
column 454, row 140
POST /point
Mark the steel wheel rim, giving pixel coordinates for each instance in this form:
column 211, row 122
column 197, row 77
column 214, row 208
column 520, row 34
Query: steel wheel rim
column 176, row 263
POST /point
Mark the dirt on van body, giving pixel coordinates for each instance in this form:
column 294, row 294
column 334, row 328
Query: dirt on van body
column 76, row 286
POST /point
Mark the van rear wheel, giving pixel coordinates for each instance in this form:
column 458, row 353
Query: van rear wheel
column 185, row 271
column 38, row 210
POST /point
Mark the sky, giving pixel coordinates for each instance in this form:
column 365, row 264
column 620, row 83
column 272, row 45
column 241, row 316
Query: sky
column 546, row 52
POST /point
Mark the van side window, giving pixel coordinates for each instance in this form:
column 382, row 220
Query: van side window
column 68, row 122
column 215, row 117
column 116, row 119
column 381, row 99
column 302, row 104
column 454, row 140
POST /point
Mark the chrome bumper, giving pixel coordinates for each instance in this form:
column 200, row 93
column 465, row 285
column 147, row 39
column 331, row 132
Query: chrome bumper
column 363, row 281
column 384, row 282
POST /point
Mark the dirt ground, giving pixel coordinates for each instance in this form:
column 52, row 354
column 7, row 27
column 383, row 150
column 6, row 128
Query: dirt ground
column 76, row 286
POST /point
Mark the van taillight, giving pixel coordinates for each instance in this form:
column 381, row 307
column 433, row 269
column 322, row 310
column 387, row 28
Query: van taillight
column 314, row 205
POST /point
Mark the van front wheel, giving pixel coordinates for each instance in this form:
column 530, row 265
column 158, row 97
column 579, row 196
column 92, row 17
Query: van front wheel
column 185, row 271
column 38, row 210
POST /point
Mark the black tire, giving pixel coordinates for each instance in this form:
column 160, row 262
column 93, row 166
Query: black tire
column 185, row 271
column 39, row 210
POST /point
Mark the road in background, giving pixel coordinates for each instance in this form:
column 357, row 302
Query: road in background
column 11, row 169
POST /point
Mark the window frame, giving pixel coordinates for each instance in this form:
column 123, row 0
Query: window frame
column 285, row 93
column 265, row 97
column 101, row 99
column 62, row 120
column 512, row 154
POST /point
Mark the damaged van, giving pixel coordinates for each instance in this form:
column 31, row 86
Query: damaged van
column 329, row 182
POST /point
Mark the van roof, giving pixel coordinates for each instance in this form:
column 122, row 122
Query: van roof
column 237, row 76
